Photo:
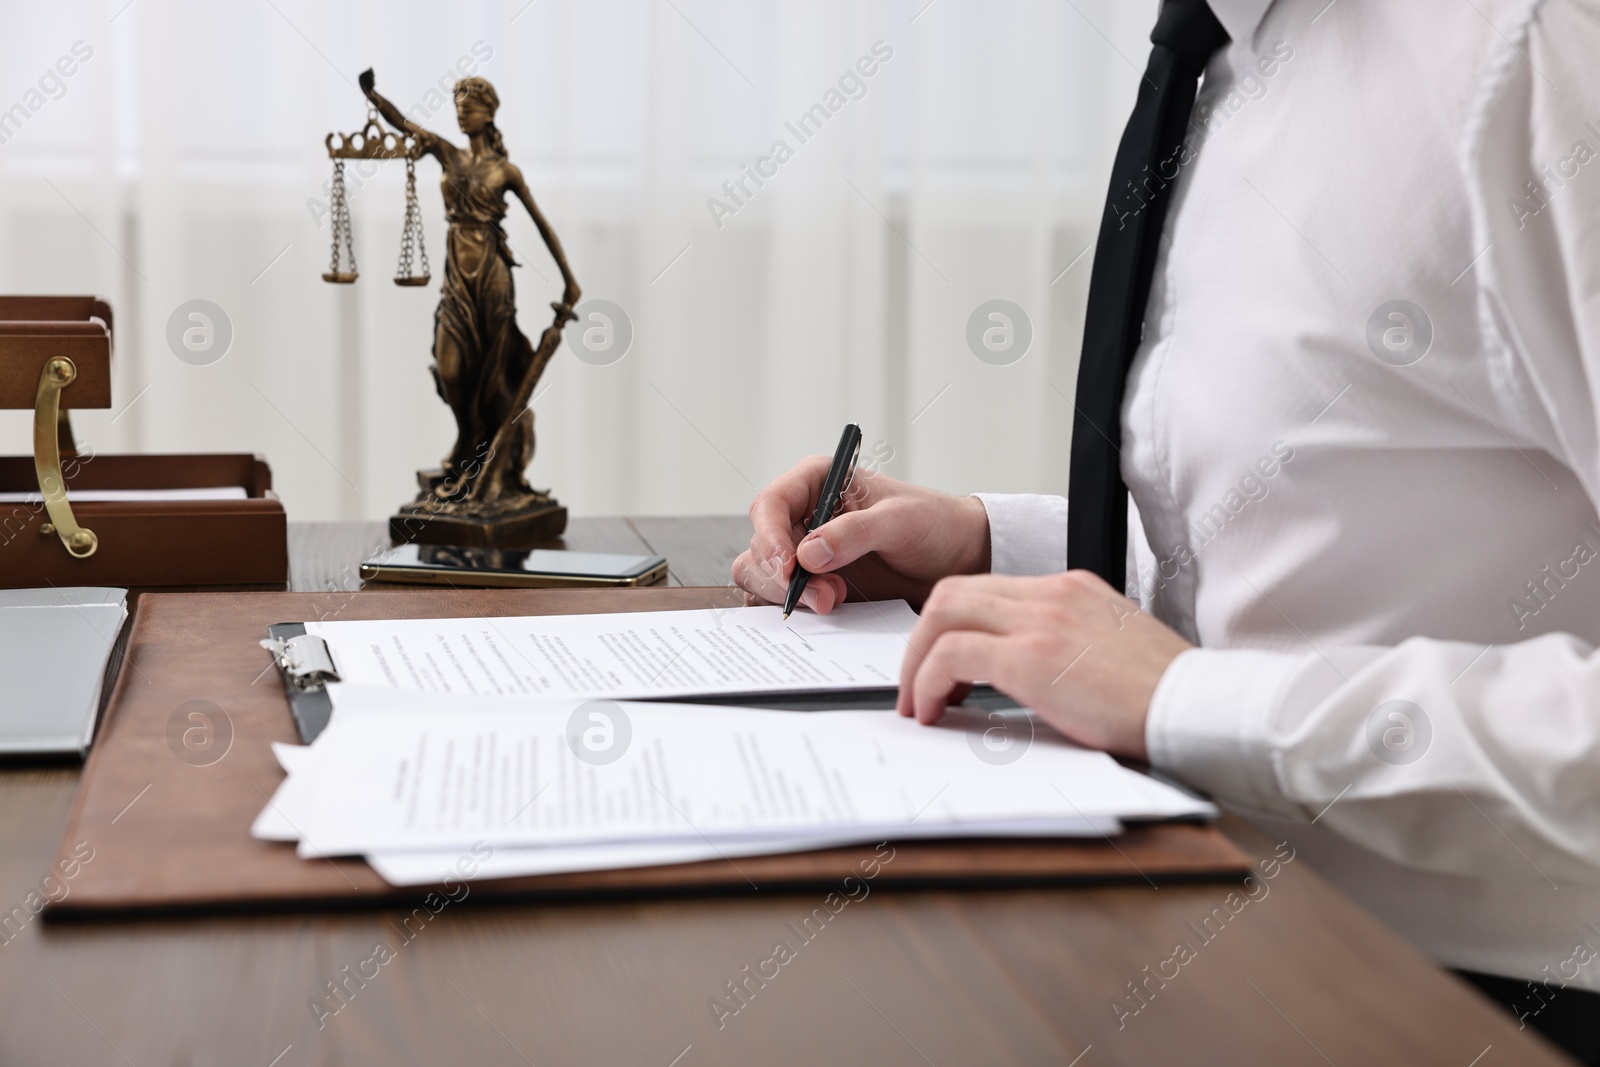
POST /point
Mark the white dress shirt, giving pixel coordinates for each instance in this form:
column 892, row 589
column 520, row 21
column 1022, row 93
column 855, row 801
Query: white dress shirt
column 1388, row 550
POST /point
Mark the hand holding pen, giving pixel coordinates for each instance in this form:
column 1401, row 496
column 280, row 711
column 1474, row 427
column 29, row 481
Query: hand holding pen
column 887, row 539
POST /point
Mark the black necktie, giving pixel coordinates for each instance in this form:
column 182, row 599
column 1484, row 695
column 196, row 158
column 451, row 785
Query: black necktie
column 1148, row 163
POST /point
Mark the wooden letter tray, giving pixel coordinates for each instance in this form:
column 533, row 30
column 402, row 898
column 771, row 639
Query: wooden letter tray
column 55, row 355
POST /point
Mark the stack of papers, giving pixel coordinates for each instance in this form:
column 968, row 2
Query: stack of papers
column 56, row 657
column 420, row 782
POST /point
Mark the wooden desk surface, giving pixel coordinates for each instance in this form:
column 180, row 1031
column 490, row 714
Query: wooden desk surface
column 1297, row 975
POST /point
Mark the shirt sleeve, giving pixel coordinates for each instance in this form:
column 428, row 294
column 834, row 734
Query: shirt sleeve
column 1441, row 755
column 1436, row 754
column 1533, row 170
column 1027, row 533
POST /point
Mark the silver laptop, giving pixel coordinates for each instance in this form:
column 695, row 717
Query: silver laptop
column 59, row 649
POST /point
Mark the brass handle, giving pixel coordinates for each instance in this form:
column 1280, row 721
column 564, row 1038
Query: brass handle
column 58, row 373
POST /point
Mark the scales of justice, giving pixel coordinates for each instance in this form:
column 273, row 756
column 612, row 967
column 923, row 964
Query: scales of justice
column 483, row 365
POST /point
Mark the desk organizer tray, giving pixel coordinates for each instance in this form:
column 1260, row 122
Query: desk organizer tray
column 55, row 356
column 141, row 544
column 169, row 823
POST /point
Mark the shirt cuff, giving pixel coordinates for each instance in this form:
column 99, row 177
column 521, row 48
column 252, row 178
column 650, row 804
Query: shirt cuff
column 1209, row 722
column 1027, row 533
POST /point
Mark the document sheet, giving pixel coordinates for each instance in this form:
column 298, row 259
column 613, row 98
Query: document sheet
column 89, row 496
column 414, row 780
column 731, row 651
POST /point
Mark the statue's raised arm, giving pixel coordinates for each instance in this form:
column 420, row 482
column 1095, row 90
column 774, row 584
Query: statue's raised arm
column 432, row 144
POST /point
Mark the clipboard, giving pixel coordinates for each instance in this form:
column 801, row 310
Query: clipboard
column 184, row 844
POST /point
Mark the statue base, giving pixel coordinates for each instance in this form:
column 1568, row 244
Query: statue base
column 522, row 523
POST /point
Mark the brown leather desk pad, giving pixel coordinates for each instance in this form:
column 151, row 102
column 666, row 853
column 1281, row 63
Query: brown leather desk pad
column 170, row 834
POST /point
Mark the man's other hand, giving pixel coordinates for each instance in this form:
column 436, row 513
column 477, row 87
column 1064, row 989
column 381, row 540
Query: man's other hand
column 1080, row 654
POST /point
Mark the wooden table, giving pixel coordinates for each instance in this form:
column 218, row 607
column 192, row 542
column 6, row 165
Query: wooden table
column 1300, row 975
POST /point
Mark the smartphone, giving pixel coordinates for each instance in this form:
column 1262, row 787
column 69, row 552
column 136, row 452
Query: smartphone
column 526, row 568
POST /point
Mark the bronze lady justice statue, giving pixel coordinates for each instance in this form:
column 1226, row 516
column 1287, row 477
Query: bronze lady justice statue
column 483, row 365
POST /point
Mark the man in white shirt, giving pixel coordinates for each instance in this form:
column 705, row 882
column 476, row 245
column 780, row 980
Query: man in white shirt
column 1362, row 439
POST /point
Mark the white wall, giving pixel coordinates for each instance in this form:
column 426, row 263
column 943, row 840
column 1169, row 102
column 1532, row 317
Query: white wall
column 179, row 160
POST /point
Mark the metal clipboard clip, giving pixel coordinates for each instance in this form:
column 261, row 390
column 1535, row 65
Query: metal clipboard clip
column 305, row 661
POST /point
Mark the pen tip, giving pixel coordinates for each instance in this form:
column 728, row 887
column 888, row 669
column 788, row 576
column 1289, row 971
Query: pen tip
column 786, row 616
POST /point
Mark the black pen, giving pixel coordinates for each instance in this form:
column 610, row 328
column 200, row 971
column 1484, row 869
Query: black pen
column 834, row 487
